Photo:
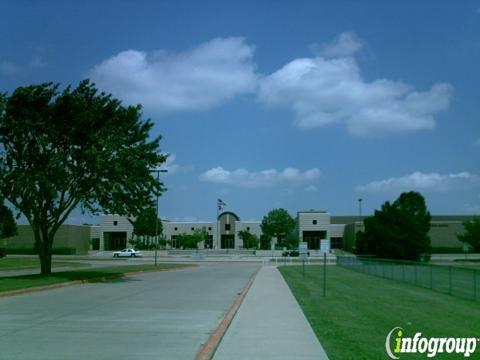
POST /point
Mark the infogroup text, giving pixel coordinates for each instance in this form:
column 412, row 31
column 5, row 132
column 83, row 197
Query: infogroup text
column 432, row 346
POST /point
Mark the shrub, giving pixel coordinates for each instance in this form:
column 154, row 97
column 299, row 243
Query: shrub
column 64, row 251
column 95, row 243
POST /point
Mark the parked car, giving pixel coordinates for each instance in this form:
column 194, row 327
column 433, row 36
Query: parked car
column 127, row 253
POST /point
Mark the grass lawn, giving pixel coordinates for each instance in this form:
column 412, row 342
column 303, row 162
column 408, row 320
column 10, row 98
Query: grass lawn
column 8, row 263
column 353, row 320
column 115, row 272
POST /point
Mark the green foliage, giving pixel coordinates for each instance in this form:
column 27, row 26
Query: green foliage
column 147, row 223
column 265, row 242
column 190, row 241
column 278, row 223
column 8, row 226
column 250, row 241
column 398, row 230
column 471, row 235
column 95, row 243
column 291, row 241
column 64, row 251
column 76, row 147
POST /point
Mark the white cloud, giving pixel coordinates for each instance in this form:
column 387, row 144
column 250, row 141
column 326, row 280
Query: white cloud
column 198, row 79
column 311, row 188
column 422, row 182
column 265, row 178
column 323, row 91
column 173, row 167
column 346, row 44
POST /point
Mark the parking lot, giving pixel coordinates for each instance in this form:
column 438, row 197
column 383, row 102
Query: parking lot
column 164, row 315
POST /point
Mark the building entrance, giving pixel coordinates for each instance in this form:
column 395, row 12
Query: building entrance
column 115, row 240
column 313, row 238
column 228, row 241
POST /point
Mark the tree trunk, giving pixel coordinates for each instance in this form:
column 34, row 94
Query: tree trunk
column 44, row 251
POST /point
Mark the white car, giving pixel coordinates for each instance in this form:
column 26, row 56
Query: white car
column 127, row 253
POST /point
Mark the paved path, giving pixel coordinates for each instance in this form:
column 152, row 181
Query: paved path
column 163, row 315
column 270, row 325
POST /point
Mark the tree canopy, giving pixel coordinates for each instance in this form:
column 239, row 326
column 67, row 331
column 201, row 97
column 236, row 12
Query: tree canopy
column 471, row 235
column 79, row 147
column 191, row 241
column 398, row 230
column 278, row 223
column 147, row 223
column 250, row 241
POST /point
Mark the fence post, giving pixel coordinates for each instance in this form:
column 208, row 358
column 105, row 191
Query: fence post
column 324, row 274
column 431, row 276
column 474, row 284
column 415, row 269
column 450, row 280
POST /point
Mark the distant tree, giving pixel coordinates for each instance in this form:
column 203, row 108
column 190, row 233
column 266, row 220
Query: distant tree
column 278, row 223
column 265, row 242
column 8, row 226
column 471, row 235
column 292, row 240
column 398, row 230
column 191, row 241
column 250, row 241
column 73, row 148
column 147, row 223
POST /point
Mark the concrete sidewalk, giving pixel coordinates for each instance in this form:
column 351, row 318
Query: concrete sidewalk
column 269, row 325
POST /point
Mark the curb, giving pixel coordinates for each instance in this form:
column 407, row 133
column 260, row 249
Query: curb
column 78, row 282
column 208, row 349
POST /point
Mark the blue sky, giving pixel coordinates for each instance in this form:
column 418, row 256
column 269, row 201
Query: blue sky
column 301, row 105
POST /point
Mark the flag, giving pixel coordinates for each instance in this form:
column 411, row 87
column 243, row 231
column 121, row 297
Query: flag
column 220, row 204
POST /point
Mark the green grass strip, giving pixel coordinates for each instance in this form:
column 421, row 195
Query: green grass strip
column 97, row 274
column 32, row 263
column 352, row 321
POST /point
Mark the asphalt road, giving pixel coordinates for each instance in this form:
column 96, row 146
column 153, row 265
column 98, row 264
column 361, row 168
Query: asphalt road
column 164, row 315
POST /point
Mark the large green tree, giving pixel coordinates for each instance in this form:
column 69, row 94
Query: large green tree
column 278, row 223
column 471, row 235
column 61, row 150
column 398, row 230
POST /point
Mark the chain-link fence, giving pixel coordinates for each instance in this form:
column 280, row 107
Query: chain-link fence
column 453, row 280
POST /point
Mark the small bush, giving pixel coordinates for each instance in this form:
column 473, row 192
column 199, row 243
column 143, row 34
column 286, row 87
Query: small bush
column 64, row 251
column 95, row 243
column 21, row 251
column 447, row 250
column 3, row 252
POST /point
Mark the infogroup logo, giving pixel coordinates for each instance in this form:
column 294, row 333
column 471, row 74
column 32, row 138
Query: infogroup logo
column 417, row 344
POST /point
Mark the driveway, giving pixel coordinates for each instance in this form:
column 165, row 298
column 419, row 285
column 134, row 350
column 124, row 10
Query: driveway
column 163, row 315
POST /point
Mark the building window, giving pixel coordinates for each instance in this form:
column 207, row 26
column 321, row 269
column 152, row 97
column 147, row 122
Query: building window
column 115, row 223
column 209, row 228
column 227, row 227
column 192, row 228
column 175, row 229
column 314, row 222
column 248, row 228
